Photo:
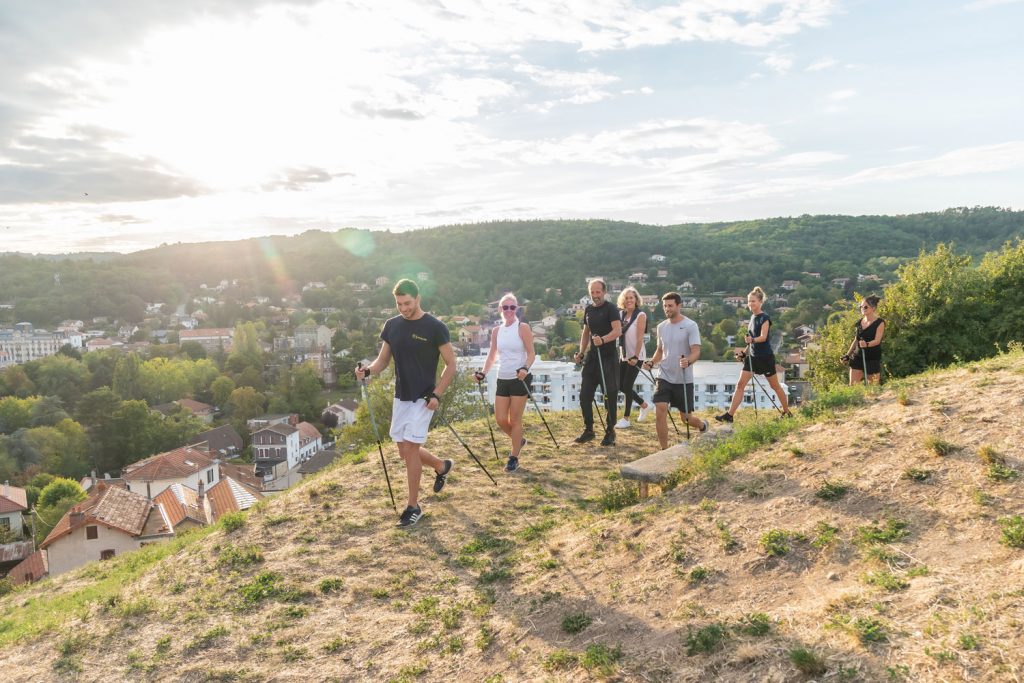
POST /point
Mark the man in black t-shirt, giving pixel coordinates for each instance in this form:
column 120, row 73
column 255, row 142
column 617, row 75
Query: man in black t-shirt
column 601, row 327
column 415, row 340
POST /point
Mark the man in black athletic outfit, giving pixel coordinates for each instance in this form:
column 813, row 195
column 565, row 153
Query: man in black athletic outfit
column 601, row 327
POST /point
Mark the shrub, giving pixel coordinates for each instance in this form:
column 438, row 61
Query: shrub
column 832, row 490
column 328, row 586
column 756, row 624
column 886, row 580
column 576, row 623
column 776, row 541
column 939, row 446
column 1013, row 531
column 560, row 659
column 870, row 534
column 601, row 658
column 707, row 639
column 232, row 521
column 998, row 472
column 618, row 495
column 806, row 662
column 236, row 557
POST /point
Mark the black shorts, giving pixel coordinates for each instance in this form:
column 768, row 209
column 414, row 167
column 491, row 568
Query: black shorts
column 761, row 365
column 675, row 395
column 513, row 387
column 874, row 364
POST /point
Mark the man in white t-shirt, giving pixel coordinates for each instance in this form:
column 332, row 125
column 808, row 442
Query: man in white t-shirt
column 678, row 350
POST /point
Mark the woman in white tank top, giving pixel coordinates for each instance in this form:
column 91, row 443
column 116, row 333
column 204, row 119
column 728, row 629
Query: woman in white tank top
column 632, row 353
column 512, row 347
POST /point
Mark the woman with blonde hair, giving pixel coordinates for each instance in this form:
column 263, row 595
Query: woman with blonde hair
column 512, row 347
column 758, row 358
column 632, row 352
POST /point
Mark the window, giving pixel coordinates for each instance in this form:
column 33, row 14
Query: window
column 92, row 532
column 5, row 523
column 712, row 388
column 729, row 388
column 209, row 476
column 106, row 554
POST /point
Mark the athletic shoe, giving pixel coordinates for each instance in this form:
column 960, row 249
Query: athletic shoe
column 704, row 427
column 622, row 424
column 442, row 476
column 513, row 464
column 587, row 435
column 724, row 417
column 609, row 439
column 410, row 516
column 643, row 413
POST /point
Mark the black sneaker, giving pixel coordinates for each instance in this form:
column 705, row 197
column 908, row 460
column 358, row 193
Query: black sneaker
column 609, row 439
column 724, row 417
column 587, row 435
column 441, row 477
column 513, row 464
column 410, row 516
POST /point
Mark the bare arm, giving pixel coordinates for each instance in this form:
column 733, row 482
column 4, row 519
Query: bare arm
column 448, row 356
column 526, row 334
column 380, row 363
column 492, row 354
column 613, row 335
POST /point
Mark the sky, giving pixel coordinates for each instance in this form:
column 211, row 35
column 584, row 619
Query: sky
column 125, row 124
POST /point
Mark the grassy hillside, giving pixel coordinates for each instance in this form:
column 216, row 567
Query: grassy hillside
column 870, row 543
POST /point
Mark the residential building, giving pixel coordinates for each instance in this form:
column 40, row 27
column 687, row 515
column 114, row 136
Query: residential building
column 24, row 343
column 184, row 465
column 318, row 462
column 223, row 441
column 344, row 410
column 556, row 384
column 13, row 554
column 13, row 502
column 203, row 411
column 280, row 448
column 32, row 568
column 109, row 522
column 789, row 285
column 188, row 507
column 212, row 339
column 6, row 359
column 735, row 301
column 658, row 258
column 257, row 423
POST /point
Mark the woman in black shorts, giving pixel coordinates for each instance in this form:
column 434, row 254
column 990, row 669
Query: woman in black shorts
column 757, row 359
column 512, row 347
column 866, row 348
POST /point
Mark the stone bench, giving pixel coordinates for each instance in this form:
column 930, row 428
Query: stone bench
column 656, row 467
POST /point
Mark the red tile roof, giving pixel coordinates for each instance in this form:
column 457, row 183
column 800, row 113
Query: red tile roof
column 229, row 495
column 195, row 406
column 308, row 431
column 111, row 506
column 241, row 473
column 12, row 499
column 32, row 568
column 181, row 503
column 175, row 464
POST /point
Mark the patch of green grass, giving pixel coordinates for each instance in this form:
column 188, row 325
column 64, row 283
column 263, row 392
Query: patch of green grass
column 919, row 570
column 807, row 662
column 237, row 557
column 451, row 617
column 968, row 641
column 997, row 472
column 1013, row 531
column 27, row 619
column 205, row 640
column 893, row 530
column 267, row 586
column 902, row 397
column 536, row 531
column 990, row 456
column 939, row 446
column 232, row 521
column 332, row 585
column 941, row 656
column 277, row 520
column 887, row 580
column 829, row 402
column 870, row 630
column 576, row 623
column 560, row 660
column 755, row 624
column 409, row 673
column 499, row 572
column 729, row 542
column 427, row 606
column 796, row 451
column 336, row 645
column 916, row 474
column 548, row 564
column 134, row 608
column 602, row 659
column 706, row 639
column 484, row 637
column 699, row 574
column 618, row 495
column 832, row 490
column 825, row 535
column 290, row 653
column 981, row 498
column 710, row 461
column 163, row 646
column 776, row 542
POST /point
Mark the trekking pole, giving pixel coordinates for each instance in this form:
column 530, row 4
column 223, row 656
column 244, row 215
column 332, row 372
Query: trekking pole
column 750, row 366
column 596, row 405
column 864, row 365
column 650, row 376
column 376, row 434
column 487, row 417
column 604, row 387
column 468, row 449
column 771, row 397
column 540, row 412
column 686, row 408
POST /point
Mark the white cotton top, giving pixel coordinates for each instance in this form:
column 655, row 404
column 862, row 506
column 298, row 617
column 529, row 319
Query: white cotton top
column 511, row 350
column 630, row 336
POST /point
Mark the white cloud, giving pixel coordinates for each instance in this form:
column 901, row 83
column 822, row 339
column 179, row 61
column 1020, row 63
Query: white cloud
column 965, row 161
column 822, row 64
column 780, row 64
column 985, row 4
column 839, row 95
column 804, row 160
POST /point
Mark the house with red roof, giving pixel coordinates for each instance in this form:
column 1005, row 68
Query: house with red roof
column 13, row 502
column 185, row 465
column 32, row 568
column 110, row 521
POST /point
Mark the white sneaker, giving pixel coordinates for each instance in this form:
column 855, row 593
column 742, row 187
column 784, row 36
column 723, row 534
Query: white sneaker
column 643, row 413
column 622, row 424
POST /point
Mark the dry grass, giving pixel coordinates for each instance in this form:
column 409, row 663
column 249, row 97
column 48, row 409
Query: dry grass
column 532, row 580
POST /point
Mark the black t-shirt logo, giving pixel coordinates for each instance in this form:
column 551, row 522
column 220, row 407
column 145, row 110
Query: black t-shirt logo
column 419, row 338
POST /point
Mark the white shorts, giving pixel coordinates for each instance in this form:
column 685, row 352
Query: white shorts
column 410, row 421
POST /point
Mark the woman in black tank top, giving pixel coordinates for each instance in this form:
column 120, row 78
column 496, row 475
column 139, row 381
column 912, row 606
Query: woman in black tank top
column 866, row 348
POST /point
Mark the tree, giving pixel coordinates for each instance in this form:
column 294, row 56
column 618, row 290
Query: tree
column 221, row 389
column 127, row 383
column 14, row 381
column 55, row 500
column 48, row 410
column 61, row 376
column 1004, row 271
column 193, row 350
column 244, row 404
column 304, row 391
column 15, row 413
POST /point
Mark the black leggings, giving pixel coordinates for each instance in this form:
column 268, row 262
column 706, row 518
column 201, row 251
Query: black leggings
column 590, row 379
column 627, row 376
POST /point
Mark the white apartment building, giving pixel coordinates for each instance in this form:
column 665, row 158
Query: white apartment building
column 556, row 384
column 23, row 343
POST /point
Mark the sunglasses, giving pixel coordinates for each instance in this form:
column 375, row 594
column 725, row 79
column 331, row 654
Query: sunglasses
column 864, row 308
column 508, row 307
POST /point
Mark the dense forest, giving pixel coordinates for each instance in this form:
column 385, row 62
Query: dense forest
column 472, row 263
